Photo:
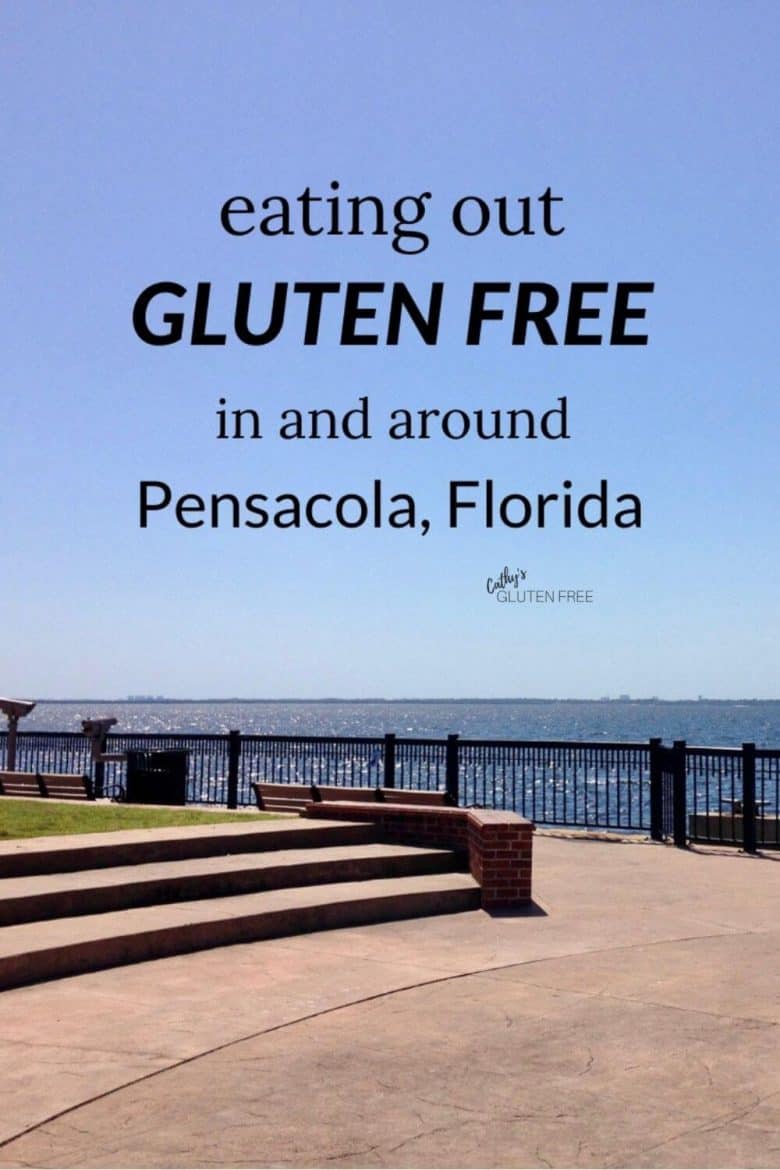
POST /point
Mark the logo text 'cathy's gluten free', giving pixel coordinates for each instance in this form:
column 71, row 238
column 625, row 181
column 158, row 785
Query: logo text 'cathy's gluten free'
column 506, row 577
column 505, row 588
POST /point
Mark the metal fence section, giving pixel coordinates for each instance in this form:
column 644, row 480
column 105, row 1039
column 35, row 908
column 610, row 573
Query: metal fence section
column 49, row 751
column 766, row 785
column 714, row 794
column 733, row 796
column 727, row 796
column 286, row 759
column 418, row 763
column 768, row 780
column 589, row 785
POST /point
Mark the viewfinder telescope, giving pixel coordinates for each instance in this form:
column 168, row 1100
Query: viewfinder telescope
column 14, row 710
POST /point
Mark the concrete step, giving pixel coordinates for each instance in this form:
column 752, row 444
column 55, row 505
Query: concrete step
column 68, row 946
column 96, row 891
column 39, row 855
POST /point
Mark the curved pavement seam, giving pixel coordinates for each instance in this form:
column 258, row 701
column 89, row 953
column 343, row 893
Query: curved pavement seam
column 353, row 1003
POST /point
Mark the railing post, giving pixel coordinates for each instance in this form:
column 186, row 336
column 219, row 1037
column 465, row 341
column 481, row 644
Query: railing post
column 451, row 768
column 99, row 780
column 749, row 797
column 656, row 792
column 679, row 800
column 234, row 752
column 10, row 743
column 99, row 772
column 389, row 761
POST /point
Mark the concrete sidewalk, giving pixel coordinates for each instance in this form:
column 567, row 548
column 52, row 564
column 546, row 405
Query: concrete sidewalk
column 632, row 1020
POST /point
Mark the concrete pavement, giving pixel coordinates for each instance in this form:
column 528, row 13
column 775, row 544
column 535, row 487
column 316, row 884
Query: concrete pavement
column 630, row 1020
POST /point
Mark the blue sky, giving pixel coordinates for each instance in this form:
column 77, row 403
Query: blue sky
column 127, row 126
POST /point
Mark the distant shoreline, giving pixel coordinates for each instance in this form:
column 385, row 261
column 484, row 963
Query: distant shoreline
column 238, row 699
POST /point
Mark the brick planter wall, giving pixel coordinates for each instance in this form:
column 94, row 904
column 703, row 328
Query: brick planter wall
column 498, row 844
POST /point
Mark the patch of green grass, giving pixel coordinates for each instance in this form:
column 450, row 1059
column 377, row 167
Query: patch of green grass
column 45, row 818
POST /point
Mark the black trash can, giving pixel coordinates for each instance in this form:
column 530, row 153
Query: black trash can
column 157, row 777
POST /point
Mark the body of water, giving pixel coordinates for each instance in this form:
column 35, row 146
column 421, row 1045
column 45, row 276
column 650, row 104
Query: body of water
column 717, row 724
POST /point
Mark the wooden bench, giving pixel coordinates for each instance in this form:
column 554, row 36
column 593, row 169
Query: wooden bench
column 55, row 785
column 295, row 797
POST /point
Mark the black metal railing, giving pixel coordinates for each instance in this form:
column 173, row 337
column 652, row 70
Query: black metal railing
column 49, row 751
column 352, row 761
column 417, row 763
column 714, row 790
column 703, row 794
column 768, row 788
column 588, row 785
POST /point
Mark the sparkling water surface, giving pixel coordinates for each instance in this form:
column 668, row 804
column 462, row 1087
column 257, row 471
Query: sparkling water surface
column 718, row 724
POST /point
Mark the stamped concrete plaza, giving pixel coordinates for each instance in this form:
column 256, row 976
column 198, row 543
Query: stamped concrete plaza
column 628, row 1019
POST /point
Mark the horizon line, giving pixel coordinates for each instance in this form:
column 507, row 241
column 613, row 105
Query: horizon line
column 161, row 699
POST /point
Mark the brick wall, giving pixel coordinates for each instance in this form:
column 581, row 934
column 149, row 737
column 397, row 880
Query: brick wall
column 500, row 857
column 498, row 845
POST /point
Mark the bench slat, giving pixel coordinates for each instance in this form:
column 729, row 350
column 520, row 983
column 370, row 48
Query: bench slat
column 282, row 806
column 294, row 790
column 413, row 796
column 344, row 792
